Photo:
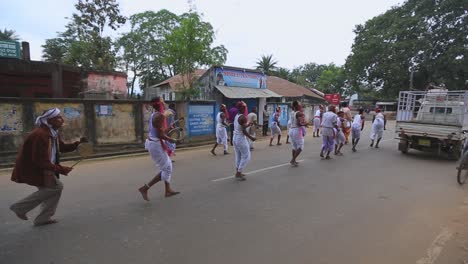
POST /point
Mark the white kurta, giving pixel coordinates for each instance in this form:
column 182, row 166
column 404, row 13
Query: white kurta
column 275, row 130
column 356, row 126
column 340, row 137
column 221, row 132
column 295, row 133
column 241, row 146
column 377, row 127
column 317, row 120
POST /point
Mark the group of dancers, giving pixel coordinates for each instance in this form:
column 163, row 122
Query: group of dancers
column 334, row 127
column 38, row 161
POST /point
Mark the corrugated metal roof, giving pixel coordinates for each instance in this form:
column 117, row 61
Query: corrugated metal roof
column 242, row 92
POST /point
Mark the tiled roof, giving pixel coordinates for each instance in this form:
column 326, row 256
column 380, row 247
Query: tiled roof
column 288, row 89
column 176, row 80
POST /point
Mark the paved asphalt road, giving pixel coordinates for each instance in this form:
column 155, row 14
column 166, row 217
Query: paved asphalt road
column 375, row 206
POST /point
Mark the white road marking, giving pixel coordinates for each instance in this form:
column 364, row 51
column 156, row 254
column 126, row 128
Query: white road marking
column 256, row 171
column 436, row 247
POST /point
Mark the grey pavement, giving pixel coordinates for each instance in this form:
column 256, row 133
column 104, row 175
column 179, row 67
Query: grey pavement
column 374, row 206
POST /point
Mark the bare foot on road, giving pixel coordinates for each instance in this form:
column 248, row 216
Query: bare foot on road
column 172, row 193
column 144, row 192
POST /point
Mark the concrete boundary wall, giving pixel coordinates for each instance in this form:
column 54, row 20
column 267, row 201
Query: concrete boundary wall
column 106, row 123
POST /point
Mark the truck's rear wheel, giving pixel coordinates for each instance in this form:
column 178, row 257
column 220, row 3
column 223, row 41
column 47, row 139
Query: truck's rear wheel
column 403, row 146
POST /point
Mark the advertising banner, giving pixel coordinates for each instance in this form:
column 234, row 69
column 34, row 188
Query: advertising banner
column 10, row 49
column 201, row 120
column 238, row 78
column 333, row 98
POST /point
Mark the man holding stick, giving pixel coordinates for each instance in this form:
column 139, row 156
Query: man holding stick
column 38, row 164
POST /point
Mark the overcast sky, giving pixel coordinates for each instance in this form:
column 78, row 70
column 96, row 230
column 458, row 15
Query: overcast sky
column 294, row 31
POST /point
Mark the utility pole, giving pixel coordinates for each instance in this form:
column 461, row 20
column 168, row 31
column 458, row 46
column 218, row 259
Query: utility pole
column 411, row 79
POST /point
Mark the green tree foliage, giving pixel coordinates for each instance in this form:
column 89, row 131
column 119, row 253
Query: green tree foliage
column 83, row 40
column 188, row 47
column 332, row 80
column 142, row 51
column 6, row 35
column 267, row 64
column 282, row 73
column 307, row 74
column 424, row 36
column 54, row 50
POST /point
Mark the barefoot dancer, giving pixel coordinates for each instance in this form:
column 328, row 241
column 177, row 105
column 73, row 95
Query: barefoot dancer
column 317, row 121
column 340, row 136
column 274, row 127
column 329, row 121
column 357, row 127
column 296, row 132
column 159, row 151
column 377, row 128
column 241, row 145
column 221, row 132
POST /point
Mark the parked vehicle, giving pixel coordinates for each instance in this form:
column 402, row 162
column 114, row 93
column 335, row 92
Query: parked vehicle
column 433, row 121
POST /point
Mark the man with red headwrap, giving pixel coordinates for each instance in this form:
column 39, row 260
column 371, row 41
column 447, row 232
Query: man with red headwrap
column 221, row 132
column 241, row 145
column 156, row 144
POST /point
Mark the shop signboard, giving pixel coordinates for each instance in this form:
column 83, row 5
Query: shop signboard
column 10, row 49
column 333, row 98
column 239, row 78
column 201, row 120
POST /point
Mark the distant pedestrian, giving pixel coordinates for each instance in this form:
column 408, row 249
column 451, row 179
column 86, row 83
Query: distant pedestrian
column 232, row 114
column 171, row 115
column 340, row 137
column 317, row 121
column 38, row 164
column 221, row 133
column 377, row 128
column 297, row 132
column 348, row 117
column 241, row 145
column 156, row 144
column 329, row 124
column 266, row 118
column 356, row 128
column 252, row 121
column 275, row 127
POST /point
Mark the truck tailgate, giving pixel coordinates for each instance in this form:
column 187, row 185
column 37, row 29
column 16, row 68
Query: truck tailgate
column 429, row 130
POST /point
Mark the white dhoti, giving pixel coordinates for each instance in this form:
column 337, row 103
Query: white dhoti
column 275, row 130
column 297, row 138
column 242, row 150
column 316, row 124
column 340, row 137
column 377, row 129
column 160, row 157
column 356, row 132
column 221, row 136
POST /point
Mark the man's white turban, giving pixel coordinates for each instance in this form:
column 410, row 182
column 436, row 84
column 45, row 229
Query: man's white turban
column 51, row 113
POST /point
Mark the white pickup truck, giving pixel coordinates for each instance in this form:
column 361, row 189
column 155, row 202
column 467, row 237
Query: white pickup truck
column 433, row 120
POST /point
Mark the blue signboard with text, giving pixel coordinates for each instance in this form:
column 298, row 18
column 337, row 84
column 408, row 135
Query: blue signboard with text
column 201, row 120
column 238, row 78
